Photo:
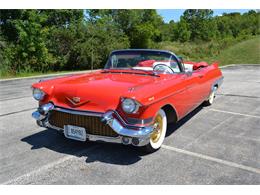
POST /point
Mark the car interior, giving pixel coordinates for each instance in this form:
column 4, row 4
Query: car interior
column 166, row 65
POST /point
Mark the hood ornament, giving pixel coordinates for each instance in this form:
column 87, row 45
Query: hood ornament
column 75, row 101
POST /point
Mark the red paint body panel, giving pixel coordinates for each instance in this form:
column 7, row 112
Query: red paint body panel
column 101, row 91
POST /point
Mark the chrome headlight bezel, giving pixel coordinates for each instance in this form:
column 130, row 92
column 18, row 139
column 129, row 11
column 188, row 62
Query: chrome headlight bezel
column 38, row 94
column 129, row 106
column 44, row 109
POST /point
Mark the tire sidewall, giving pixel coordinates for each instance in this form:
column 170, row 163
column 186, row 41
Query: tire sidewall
column 158, row 144
column 212, row 96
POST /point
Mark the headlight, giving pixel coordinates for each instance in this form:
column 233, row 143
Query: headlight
column 38, row 94
column 130, row 106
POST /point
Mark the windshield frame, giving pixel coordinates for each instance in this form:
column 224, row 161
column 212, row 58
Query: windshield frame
column 172, row 56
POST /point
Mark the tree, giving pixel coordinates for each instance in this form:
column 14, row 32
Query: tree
column 182, row 32
column 8, row 29
column 27, row 40
column 200, row 23
column 134, row 24
column 43, row 40
column 39, row 39
column 100, row 37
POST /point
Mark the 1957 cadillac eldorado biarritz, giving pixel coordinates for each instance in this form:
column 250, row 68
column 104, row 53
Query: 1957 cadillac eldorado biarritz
column 130, row 101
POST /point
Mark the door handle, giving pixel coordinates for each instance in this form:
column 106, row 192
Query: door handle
column 201, row 76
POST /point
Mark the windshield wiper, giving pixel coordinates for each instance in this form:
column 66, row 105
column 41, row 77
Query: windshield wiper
column 146, row 71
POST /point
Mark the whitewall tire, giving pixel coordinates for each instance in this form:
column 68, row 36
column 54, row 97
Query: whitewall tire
column 211, row 97
column 157, row 137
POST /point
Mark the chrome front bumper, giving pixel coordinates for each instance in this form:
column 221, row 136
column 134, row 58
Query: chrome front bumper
column 137, row 136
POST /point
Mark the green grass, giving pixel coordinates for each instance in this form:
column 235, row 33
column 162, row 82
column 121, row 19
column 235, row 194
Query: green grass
column 26, row 74
column 226, row 51
column 246, row 52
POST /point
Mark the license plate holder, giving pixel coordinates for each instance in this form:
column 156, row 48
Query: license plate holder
column 75, row 132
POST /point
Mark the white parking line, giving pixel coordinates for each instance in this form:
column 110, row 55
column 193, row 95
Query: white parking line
column 209, row 131
column 17, row 112
column 231, row 65
column 217, row 160
column 235, row 113
column 48, row 166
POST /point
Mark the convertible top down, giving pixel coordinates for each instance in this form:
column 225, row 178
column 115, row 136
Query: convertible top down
column 130, row 101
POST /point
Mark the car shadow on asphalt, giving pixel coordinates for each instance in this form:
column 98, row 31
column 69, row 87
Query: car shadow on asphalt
column 98, row 152
column 93, row 151
column 172, row 127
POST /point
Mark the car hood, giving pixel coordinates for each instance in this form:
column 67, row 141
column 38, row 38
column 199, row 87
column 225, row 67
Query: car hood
column 97, row 92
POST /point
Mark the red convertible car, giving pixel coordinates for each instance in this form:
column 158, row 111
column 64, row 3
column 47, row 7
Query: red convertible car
column 130, row 101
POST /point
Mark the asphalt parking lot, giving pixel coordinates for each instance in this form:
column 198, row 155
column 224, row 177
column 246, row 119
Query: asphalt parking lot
column 212, row 145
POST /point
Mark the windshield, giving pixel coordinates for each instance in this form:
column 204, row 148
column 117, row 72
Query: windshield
column 142, row 59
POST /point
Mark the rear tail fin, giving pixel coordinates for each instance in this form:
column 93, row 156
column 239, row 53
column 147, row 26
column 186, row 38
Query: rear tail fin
column 216, row 64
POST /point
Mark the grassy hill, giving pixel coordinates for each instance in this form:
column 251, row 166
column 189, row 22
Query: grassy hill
column 228, row 51
column 225, row 52
column 246, row 52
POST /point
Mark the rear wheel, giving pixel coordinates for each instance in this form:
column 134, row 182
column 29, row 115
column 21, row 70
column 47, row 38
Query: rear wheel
column 158, row 135
column 211, row 97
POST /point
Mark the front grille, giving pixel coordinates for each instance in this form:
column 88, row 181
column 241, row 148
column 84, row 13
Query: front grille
column 92, row 124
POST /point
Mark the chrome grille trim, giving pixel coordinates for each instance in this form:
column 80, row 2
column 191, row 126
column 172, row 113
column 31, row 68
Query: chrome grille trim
column 77, row 112
column 92, row 124
column 143, row 122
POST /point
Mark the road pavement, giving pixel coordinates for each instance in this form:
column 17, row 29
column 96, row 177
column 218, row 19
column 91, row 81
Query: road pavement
column 219, row 144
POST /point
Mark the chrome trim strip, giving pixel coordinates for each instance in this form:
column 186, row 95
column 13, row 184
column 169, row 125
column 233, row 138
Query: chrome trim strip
column 77, row 112
column 37, row 116
column 117, row 140
column 147, row 50
column 217, row 82
column 143, row 132
column 126, row 131
column 139, row 121
column 91, row 137
column 126, row 124
column 112, row 118
column 100, row 114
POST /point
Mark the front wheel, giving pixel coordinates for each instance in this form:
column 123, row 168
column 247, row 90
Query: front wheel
column 158, row 135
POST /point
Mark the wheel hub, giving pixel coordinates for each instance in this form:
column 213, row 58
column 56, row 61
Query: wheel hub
column 158, row 124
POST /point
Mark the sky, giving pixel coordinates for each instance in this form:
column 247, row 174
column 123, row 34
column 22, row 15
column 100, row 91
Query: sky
column 174, row 14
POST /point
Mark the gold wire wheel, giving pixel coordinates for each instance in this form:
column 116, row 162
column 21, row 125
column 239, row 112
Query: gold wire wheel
column 158, row 125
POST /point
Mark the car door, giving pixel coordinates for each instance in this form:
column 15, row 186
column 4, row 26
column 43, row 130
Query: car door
column 203, row 81
column 193, row 85
column 190, row 82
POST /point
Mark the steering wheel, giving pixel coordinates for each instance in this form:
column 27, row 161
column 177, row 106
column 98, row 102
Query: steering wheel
column 163, row 68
